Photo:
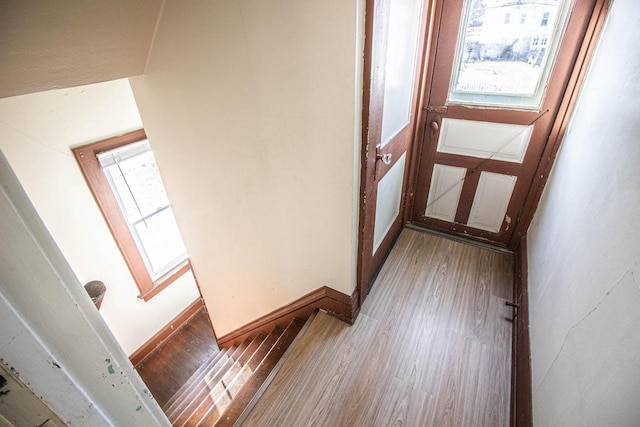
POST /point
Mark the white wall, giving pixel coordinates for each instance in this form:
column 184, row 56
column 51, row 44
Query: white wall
column 252, row 107
column 36, row 131
column 49, row 45
column 584, row 248
column 50, row 333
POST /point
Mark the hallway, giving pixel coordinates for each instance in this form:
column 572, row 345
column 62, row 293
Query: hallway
column 431, row 346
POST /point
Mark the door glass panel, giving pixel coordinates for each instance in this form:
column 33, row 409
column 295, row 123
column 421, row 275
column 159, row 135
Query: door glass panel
column 506, row 50
column 388, row 201
column 402, row 53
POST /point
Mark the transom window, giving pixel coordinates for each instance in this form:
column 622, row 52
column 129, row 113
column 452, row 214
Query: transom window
column 126, row 183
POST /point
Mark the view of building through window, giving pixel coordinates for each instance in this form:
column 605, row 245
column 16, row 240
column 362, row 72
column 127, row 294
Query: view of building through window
column 505, row 56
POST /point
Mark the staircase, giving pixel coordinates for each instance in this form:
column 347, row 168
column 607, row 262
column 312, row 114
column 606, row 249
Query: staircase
column 218, row 393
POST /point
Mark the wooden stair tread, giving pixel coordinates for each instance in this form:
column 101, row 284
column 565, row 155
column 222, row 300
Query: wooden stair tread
column 223, row 399
column 219, row 391
column 251, row 349
column 196, row 380
column 199, row 394
column 260, row 374
column 195, row 377
column 241, row 348
column 199, row 391
column 205, row 402
column 208, row 402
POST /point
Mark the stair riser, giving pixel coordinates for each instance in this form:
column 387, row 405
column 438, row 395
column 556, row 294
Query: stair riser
column 215, row 393
column 195, row 378
column 187, row 406
column 259, row 375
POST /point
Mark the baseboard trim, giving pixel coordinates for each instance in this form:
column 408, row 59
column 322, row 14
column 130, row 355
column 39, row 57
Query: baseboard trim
column 458, row 238
column 138, row 356
column 337, row 304
column 521, row 394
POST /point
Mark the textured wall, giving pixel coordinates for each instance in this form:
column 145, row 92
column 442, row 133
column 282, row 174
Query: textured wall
column 584, row 248
column 50, row 332
column 36, row 131
column 252, row 108
column 49, row 45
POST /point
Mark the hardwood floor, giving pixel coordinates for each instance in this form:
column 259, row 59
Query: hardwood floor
column 171, row 365
column 431, row 347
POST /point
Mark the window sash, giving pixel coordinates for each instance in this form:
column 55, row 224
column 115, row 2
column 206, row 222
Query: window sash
column 87, row 157
column 155, row 272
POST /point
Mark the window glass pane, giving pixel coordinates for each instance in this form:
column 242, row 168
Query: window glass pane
column 139, row 186
column 506, row 61
column 135, row 181
column 402, row 49
column 161, row 240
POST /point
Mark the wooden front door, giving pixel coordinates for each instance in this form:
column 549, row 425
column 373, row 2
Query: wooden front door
column 499, row 71
column 392, row 64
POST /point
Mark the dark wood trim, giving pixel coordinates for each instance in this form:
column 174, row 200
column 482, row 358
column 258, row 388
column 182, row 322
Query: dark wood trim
column 469, row 188
column 138, row 356
column 261, row 376
column 521, row 394
column 86, row 157
column 426, row 76
column 101, row 190
column 337, row 304
column 562, row 120
column 372, row 170
column 342, row 306
column 166, row 279
column 367, row 161
column 263, row 387
column 565, row 65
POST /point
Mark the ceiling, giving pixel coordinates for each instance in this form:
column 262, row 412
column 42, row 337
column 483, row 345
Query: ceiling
column 52, row 44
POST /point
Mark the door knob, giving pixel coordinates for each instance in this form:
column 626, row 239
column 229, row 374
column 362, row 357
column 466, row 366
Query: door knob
column 435, row 126
column 386, row 158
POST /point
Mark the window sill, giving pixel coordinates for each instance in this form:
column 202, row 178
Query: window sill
column 165, row 280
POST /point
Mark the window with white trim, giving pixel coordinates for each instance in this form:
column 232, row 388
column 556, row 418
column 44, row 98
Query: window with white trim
column 124, row 178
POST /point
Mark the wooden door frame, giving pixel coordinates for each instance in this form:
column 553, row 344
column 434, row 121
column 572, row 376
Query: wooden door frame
column 521, row 404
column 561, row 122
column 551, row 146
column 368, row 153
column 521, row 387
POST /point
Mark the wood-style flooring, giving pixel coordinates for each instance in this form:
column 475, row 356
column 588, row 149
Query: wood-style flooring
column 169, row 366
column 431, row 347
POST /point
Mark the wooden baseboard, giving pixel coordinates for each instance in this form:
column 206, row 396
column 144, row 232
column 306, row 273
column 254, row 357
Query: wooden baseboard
column 138, row 356
column 337, row 304
column 521, row 395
